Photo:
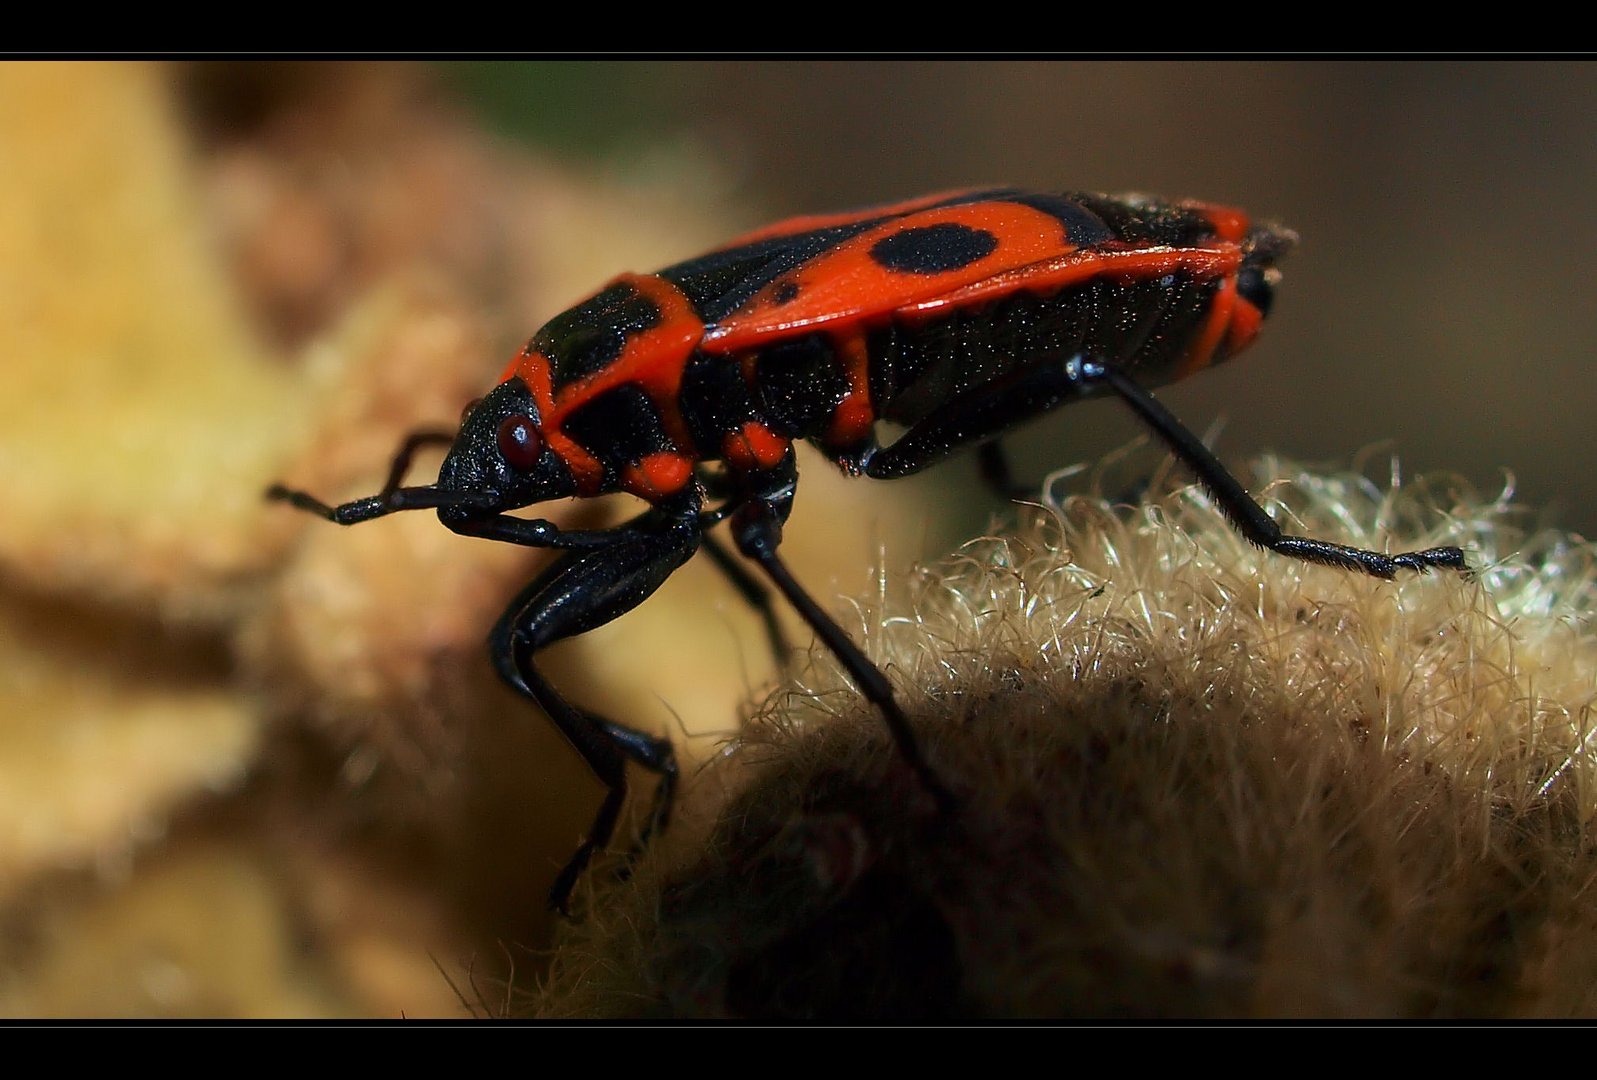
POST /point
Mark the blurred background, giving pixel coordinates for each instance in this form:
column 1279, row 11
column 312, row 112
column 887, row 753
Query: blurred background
column 253, row 765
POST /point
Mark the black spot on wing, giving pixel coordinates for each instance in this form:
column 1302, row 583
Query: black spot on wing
column 1083, row 228
column 933, row 249
column 721, row 282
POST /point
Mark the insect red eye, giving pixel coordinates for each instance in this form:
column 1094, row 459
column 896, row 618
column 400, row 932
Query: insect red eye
column 520, row 442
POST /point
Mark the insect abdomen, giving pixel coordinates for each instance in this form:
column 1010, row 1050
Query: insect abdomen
column 1144, row 325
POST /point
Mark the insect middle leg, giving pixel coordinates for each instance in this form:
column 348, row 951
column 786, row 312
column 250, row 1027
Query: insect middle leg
column 754, row 594
column 721, row 485
column 996, row 473
column 757, row 530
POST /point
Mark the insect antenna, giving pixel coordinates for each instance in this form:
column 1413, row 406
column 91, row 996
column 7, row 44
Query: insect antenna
column 425, row 497
column 392, row 497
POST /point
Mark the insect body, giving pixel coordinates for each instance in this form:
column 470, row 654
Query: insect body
column 955, row 316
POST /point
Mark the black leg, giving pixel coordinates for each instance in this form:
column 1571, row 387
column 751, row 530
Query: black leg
column 997, row 475
column 396, row 472
column 585, row 589
column 1247, row 515
column 984, row 415
column 754, row 594
column 978, row 417
column 757, row 528
column 407, row 451
column 603, row 574
column 392, row 498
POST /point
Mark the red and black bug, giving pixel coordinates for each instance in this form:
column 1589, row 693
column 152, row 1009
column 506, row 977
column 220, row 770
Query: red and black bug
column 955, row 316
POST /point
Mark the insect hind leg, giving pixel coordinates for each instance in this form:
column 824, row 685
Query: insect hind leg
column 1240, row 508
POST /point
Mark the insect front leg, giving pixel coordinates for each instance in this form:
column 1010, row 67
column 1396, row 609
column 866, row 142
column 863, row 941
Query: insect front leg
column 585, row 589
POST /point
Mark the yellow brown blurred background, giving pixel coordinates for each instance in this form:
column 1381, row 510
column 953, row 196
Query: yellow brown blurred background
column 255, row 765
